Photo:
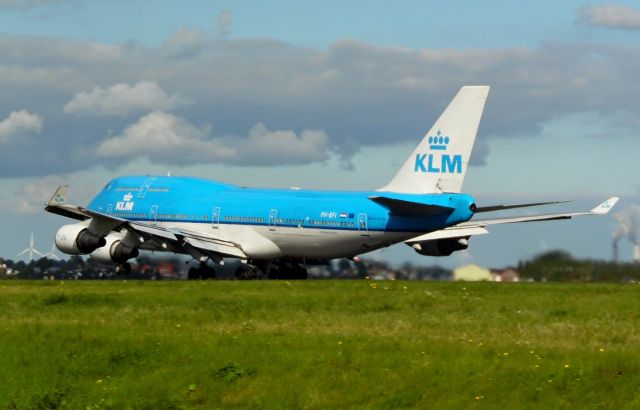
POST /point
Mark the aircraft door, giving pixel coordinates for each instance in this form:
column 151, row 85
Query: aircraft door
column 110, row 209
column 215, row 218
column 363, row 226
column 272, row 219
column 153, row 214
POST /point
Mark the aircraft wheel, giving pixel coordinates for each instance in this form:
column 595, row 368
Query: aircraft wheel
column 274, row 272
column 208, row 273
column 286, row 271
column 123, row 269
column 241, row 273
column 248, row 272
column 202, row 271
column 193, row 274
column 303, row 274
column 299, row 272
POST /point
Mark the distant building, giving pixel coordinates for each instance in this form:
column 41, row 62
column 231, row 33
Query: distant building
column 505, row 275
column 472, row 273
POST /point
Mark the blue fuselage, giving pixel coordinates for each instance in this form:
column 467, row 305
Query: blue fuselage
column 186, row 200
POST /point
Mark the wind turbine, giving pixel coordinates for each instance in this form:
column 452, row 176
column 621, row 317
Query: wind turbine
column 31, row 250
column 51, row 254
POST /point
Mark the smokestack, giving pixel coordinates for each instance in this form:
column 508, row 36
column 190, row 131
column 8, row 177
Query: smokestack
column 627, row 228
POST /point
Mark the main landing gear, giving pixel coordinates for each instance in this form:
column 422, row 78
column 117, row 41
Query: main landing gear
column 248, row 272
column 271, row 270
column 203, row 272
column 123, row 268
column 288, row 271
column 252, row 270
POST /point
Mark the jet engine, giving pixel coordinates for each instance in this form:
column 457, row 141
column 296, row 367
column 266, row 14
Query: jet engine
column 76, row 239
column 441, row 247
column 114, row 251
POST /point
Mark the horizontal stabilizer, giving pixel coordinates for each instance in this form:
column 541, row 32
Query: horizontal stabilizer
column 514, row 206
column 447, row 233
column 520, row 219
column 400, row 207
column 601, row 209
column 479, row 227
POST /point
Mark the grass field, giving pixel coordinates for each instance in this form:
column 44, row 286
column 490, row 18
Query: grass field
column 318, row 344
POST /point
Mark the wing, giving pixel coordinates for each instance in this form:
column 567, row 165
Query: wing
column 155, row 237
column 478, row 227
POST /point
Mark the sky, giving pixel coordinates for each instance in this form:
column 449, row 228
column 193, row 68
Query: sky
column 324, row 95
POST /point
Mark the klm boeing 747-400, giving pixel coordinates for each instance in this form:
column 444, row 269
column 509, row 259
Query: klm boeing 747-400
column 276, row 232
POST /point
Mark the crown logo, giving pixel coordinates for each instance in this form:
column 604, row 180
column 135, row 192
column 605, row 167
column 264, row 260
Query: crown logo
column 439, row 142
column 127, row 197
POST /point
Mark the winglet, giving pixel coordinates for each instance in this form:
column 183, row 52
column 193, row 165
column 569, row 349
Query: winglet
column 605, row 207
column 59, row 197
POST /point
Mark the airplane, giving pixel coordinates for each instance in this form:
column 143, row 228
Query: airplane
column 277, row 232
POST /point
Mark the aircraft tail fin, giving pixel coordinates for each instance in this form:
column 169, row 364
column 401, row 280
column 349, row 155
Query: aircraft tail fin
column 440, row 161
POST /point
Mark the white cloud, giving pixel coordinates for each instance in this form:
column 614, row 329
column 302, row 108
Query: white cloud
column 223, row 23
column 166, row 138
column 19, row 123
column 32, row 195
column 25, row 4
column 348, row 89
column 615, row 16
column 123, row 99
column 50, row 78
column 264, row 147
column 186, row 37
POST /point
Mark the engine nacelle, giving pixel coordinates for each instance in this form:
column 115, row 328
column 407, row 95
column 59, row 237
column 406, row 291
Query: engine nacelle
column 441, row 247
column 77, row 240
column 114, row 251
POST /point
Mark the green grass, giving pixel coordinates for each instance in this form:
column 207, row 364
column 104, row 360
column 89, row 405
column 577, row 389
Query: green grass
column 318, row 344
